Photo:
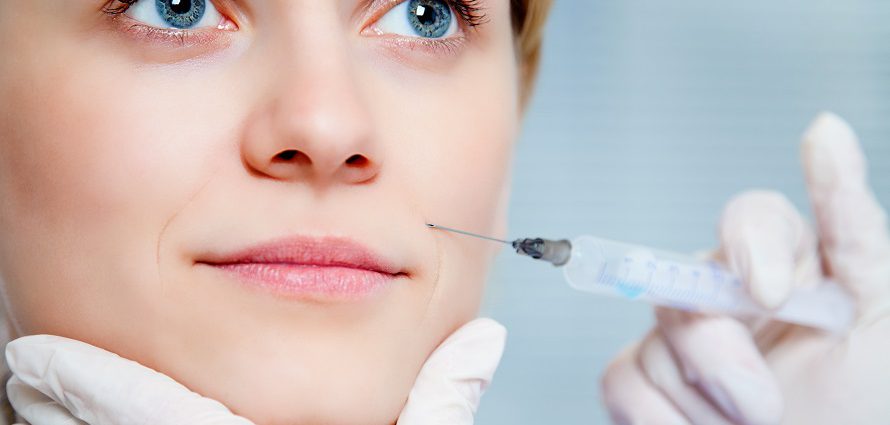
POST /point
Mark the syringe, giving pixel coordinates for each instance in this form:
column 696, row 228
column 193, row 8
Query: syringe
column 679, row 281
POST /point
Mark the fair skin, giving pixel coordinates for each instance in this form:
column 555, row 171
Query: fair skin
column 129, row 155
column 126, row 156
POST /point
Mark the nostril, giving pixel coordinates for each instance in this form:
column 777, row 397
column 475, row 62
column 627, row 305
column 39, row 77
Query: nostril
column 357, row 160
column 287, row 155
column 291, row 154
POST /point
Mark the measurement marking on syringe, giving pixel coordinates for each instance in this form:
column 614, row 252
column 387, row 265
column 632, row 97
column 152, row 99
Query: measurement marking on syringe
column 682, row 285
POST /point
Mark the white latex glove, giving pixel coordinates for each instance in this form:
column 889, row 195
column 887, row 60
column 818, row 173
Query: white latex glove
column 63, row 381
column 699, row 369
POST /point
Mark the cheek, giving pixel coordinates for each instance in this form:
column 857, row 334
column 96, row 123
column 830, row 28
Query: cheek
column 92, row 161
column 454, row 145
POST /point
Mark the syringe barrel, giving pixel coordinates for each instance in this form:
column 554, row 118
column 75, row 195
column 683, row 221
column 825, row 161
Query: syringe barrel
column 679, row 281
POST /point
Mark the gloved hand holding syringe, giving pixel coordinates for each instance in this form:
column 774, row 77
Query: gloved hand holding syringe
column 636, row 272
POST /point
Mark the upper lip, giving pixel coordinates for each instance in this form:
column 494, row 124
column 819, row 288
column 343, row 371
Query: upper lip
column 330, row 251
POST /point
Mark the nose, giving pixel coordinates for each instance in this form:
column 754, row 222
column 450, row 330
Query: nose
column 314, row 128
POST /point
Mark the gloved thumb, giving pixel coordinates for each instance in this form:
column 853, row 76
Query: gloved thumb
column 768, row 243
column 451, row 382
column 100, row 387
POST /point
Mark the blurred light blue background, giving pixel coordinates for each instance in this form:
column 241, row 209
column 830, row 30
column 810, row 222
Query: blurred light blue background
column 649, row 115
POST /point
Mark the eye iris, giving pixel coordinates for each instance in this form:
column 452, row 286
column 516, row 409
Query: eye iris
column 429, row 18
column 181, row 13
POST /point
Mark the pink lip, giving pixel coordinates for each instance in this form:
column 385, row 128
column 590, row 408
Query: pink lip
column 304, row 267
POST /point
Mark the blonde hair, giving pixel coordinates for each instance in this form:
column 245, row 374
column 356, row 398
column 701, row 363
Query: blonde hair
column 529, row 17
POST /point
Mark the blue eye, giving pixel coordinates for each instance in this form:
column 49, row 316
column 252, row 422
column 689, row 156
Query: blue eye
column 419, row 18
column 179, row 14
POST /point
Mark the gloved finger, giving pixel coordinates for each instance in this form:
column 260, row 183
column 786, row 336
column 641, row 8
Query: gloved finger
column 102, row 388
column 660, row 367
column 851, row 222
column 36, row 407
column 451, row 382
column 631, row 399
column 769, row 245
column 717, row 355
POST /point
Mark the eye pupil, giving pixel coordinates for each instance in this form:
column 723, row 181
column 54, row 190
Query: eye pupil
column 180, row 6
column 424, row 16
column 181, row 13
column 429, row 18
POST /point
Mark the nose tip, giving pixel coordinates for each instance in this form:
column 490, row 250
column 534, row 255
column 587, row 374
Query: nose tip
column 293, row 164
column 314, row 139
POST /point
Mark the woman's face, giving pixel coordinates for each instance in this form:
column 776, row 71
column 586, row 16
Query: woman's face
column 132, row 158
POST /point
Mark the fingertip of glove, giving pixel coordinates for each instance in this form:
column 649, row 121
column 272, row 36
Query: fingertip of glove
column 31, row 356
column 771, row 287
column 30, row 344
column 830, row 150
column 766, row 263
column 479, row 331
column 456, row 374
column 27, row 356
column 828, row 127
column 749, row 399
column 473, row 350
column 488, row 326
column 38, row 341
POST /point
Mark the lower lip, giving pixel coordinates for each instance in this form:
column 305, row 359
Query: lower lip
column 309, row 281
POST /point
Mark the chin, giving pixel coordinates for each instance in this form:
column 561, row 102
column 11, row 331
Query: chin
column 315, row 406
column 305, row 379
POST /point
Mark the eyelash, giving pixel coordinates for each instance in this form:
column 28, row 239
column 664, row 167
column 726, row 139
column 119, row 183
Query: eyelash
column 116, row 7
column 469, row 10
